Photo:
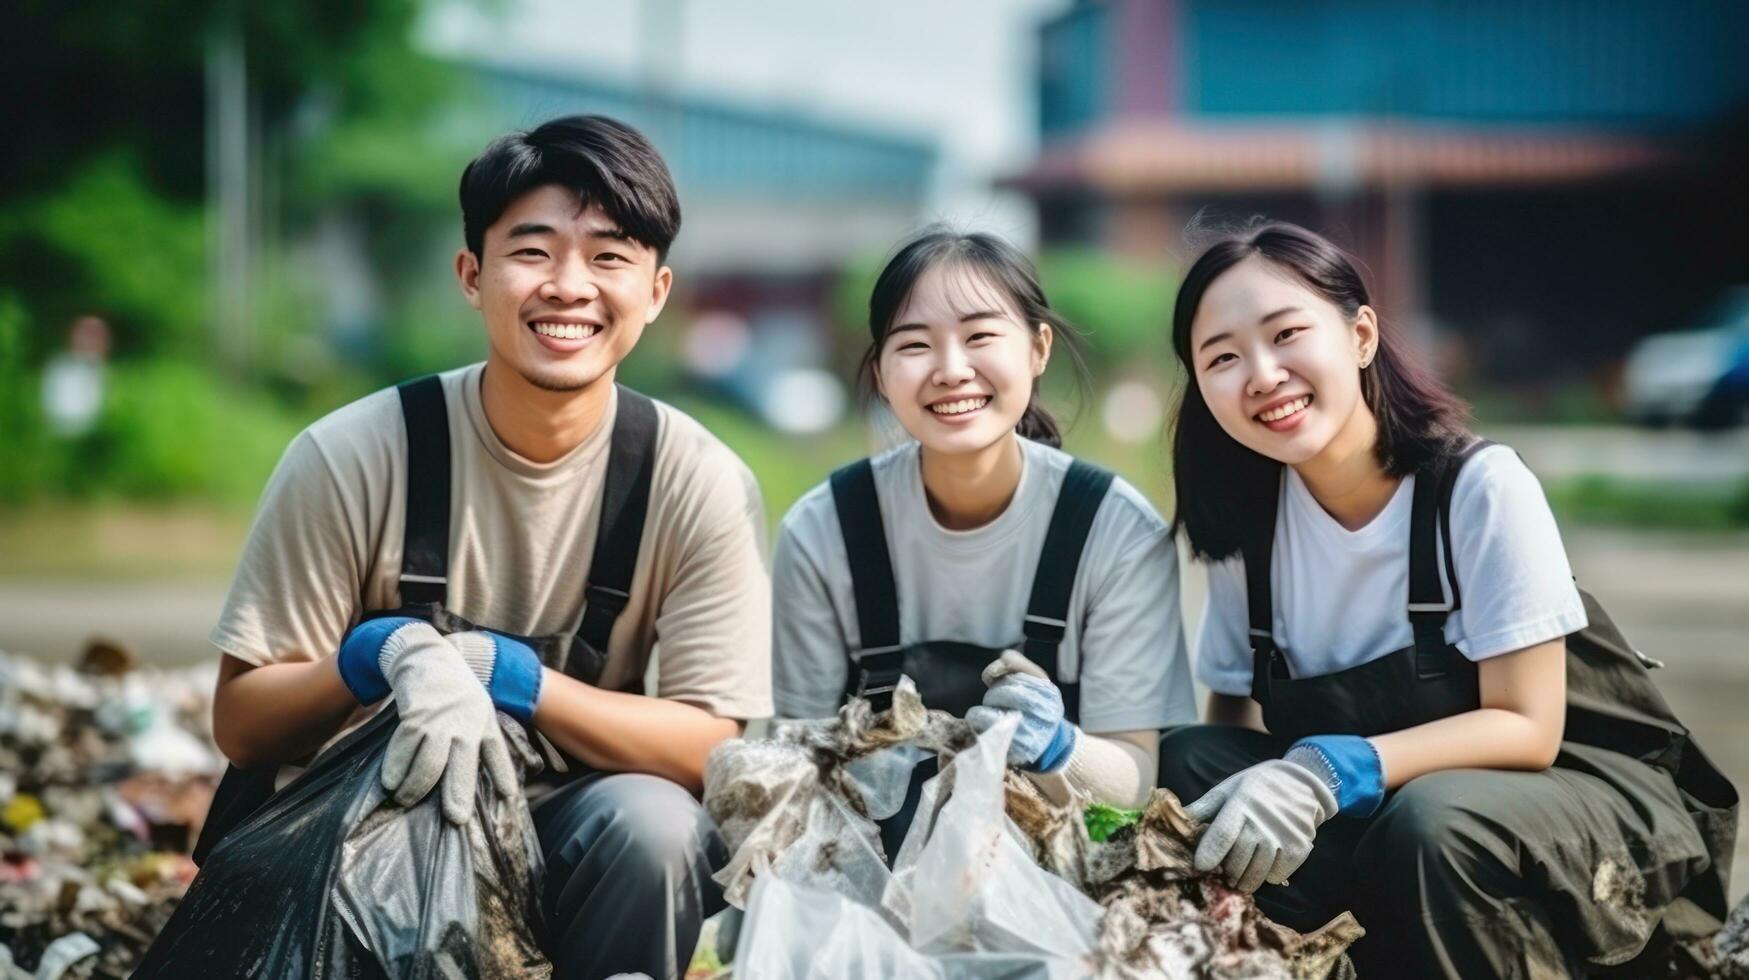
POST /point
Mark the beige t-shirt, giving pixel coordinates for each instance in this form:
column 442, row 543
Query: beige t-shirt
column 326, row 548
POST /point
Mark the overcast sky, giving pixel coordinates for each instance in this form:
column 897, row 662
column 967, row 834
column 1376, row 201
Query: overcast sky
column 957, row 71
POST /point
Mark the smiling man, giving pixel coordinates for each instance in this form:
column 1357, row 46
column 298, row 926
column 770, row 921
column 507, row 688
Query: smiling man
column 461, row 519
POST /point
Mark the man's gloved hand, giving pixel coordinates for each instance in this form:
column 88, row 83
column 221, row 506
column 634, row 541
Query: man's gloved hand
column 447, row 725
column 360, row 657
column 1045, row 739
column 508, row 669
column 1261, row 822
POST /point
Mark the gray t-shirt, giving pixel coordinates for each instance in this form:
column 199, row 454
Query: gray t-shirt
column 326, row 548
column 1125, row 642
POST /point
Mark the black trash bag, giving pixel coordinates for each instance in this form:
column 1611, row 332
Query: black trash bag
column 331, row 879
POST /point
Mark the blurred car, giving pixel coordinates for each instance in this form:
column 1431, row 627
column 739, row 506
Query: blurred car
column 1697, row 377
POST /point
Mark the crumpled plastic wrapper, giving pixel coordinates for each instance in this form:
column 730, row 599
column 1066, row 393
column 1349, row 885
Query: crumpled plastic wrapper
column 992, row 880
column 106, row 772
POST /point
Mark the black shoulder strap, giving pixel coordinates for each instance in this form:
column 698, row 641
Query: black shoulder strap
column 625, row 501
column 1448, row 483
column 1258, row 549
column 1429, row 527
column 1047, row 610
column 425, row 542
column 880, row 659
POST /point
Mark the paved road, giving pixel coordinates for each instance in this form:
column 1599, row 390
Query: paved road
column 1682, row 598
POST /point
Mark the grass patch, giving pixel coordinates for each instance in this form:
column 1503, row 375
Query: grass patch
column 1650, row 504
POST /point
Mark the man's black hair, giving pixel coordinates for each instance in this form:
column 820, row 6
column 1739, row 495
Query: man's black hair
column 602, row 160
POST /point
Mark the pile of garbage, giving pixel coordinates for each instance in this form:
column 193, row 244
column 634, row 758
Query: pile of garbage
column 993, row 879
column 106, row 772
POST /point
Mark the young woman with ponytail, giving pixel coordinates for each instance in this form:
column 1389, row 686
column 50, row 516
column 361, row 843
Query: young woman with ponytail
column 979, row 535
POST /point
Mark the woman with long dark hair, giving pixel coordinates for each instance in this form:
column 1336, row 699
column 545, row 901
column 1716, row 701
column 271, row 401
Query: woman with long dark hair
column 1414, row 712
column 979, row 535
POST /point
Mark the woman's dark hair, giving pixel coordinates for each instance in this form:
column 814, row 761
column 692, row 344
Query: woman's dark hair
column 603, row 161
column 1226, row 491
column 996, row 263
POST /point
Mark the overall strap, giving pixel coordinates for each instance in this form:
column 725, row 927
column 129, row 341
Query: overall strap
column 425, row 543
column 1047, row 610
column 1258, row 550
column 879, row 662
column 625, row 501
column 1448, row 483
column 1429, row 528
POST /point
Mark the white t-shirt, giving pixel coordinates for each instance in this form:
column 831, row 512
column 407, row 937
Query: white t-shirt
column 973, row 586
column 1341, row 597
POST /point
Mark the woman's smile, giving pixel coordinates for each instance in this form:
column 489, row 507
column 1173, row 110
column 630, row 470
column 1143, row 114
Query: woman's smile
column 1284, row 416
column 958, row 410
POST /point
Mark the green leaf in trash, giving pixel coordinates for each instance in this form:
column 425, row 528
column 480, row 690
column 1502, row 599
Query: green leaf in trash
column 1103, row 821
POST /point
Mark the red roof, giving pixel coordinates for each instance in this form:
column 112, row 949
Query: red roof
column 1141, row 156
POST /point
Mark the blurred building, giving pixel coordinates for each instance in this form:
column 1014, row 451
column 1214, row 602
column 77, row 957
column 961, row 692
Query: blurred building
column 765, row 192
column 1545, row 181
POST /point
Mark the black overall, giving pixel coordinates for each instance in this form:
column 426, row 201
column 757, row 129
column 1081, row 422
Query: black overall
column 424, row 580
column 948, row 674
column 1478, row 873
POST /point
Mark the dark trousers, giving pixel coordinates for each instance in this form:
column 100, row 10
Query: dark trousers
column 628, row 884
column 1477, row 873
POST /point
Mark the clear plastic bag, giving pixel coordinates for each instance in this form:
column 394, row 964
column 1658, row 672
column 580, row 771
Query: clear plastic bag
column 975, row 886
column 966, row 900
column 330, row 879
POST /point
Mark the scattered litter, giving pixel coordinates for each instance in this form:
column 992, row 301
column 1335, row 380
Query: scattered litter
column 1728, row 957
column 993, row 878
column 106, row 771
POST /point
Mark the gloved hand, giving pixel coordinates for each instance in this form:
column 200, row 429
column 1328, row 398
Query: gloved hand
column 447, row 725
column 1349, row 766
column 507, row 668
column 1045, row 739
column 1261, row 822
column 360, row 657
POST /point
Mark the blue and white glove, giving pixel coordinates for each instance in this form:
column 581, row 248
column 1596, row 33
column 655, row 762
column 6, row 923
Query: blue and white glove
column 361, row 655
column 508, row 669
column 1045, row 739
column 448, row 724
column 1262, row 821
column 1349, row 766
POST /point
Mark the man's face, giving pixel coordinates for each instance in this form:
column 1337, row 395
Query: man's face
column 565, row 294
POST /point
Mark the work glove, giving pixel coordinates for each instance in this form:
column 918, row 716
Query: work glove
column 507, row 668
column 447, row 721
column 1045, row 739
column 1262, row 821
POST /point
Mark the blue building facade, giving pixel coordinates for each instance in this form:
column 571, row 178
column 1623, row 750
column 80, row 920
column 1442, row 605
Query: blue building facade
column 1520, row 174
column 1637, row 64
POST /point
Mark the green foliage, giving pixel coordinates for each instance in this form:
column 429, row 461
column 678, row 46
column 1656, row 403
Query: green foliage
column 1122, row 307
column 431, row 332
column 23, row 464
column 168, row 430
column 1103, row 821
column 173, row 429
column 139, row 256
